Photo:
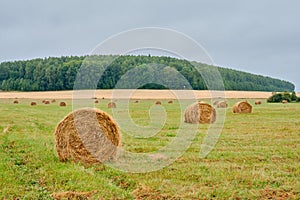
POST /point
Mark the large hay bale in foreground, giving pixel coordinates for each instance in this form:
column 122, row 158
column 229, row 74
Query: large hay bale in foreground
column 111, row 105
column 242, row 107
column 33, row 103
column 200, row 112
column 222, row 104
column 62, row 104
column 87, row 135
column 158, row 103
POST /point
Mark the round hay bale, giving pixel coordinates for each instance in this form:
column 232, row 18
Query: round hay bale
column 170, row 101
column 15, row 101
column 62, row 104
column 257, row 102
column 284, row 101
column 242, row 107
column 222, row 104
column 43, row 101
column 216, row 102
column 53, row 101
column 33, row 103
column 96, row 101
column 111, row 105
column 87, row 135
column 158, row 102
column 136, row 101
column 200, row 112
column 47, row 102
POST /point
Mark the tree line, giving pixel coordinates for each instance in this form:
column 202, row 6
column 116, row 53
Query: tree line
column 278, row 97
column 60, row 73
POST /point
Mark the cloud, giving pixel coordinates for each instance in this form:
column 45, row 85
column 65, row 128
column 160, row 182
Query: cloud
column 257, row 36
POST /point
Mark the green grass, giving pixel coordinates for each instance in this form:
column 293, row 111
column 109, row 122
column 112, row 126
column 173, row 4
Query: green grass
column 257, row 156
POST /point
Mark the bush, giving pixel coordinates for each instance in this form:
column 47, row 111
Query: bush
column 275, row 98
column 278, row 97
column 294, row 97
column 287, row 96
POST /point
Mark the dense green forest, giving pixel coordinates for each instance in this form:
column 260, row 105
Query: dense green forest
column 60, row 73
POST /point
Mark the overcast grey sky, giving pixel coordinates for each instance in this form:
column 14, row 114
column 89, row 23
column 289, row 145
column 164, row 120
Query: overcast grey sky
column 258, row 36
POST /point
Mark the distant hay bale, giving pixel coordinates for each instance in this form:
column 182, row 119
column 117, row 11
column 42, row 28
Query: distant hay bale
column 62, row 104
column 33, row 103
column 15, row 101
column 96, row 101
column 284, row 101
column 242, row 107
column 170, row 101
column 257, row 102
column 216, row 102
column 43, row 101
column 87, row 135
column 200, row 112
column 222, row 104
column 111, row 105
column 53, row 101
column 46, row 102
column 158, row 102
column 136, row 101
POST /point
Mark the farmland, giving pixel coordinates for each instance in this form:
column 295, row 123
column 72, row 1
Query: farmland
column 257, row 156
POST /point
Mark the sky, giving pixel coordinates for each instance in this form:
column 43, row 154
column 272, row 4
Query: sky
column 257, row 36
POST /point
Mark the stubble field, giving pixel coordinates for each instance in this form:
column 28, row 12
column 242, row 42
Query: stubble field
column 257, row 156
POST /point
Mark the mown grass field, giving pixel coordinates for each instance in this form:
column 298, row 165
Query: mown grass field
column 257, row 157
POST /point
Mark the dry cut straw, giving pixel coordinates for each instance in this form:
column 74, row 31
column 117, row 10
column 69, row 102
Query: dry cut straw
column 200, row 112
column 87, row 135
column 242, row 107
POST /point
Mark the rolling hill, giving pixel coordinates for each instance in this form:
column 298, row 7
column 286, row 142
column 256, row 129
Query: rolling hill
column 59, row 73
